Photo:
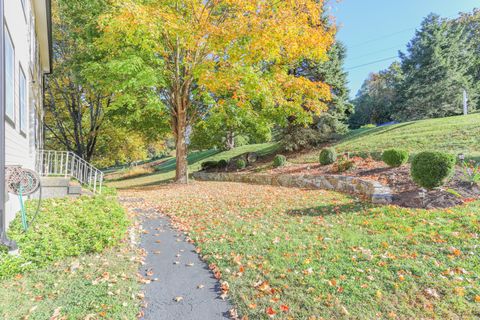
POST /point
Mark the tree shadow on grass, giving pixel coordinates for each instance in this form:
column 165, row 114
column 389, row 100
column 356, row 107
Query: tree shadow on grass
column 359, row 133
column 331, row 209
column 192, row 158
column 393, row 128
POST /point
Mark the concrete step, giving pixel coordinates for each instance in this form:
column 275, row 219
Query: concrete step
column 55, row 182
column 59, row 187
column 73, row 189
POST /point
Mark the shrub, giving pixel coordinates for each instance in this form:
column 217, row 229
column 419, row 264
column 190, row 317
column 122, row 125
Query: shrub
column 395, row 157
column 241, row 164
column 344, row 164
column 279, row 160
column 207, row 165
column 222, row 164
column 432, row 169
column 328, row 156
column 65, row 228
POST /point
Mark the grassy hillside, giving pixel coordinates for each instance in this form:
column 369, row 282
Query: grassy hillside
column 455, row 135
column 165, row 172
column 460, row 134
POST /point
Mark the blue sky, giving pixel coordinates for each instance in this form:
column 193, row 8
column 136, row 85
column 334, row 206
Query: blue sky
column 377, row 29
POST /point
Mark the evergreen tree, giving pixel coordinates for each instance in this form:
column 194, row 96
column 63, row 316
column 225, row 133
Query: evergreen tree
column 437, row 68
column 471, row 24
column 335, row 120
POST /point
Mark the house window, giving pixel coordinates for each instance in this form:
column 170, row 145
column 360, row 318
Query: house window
column 9, row 78
column 22, row 92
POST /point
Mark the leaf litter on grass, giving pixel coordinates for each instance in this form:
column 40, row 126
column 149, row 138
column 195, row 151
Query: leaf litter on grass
column 293, row 253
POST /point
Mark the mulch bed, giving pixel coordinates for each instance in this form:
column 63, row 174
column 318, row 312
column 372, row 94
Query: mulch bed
column 405, row 192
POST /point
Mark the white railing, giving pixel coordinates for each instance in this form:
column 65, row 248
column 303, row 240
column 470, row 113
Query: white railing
column 68, row 164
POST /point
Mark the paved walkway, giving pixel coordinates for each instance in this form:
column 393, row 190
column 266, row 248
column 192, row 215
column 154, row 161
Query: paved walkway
column 183, row 287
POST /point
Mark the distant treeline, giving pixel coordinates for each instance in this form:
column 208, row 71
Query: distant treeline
column 442, row 60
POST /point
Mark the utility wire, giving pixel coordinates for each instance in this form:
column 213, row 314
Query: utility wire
column 374, row 52
column 371, row 53
column 393, row 34
column 381, row 38
column 370, row 63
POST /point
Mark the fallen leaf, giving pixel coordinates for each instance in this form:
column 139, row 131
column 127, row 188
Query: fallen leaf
column 270, row 312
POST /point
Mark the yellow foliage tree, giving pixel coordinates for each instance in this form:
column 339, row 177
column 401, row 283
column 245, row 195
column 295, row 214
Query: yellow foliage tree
column 235, row 48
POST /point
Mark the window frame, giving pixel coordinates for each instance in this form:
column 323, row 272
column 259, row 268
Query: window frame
column 24, row 7
column 10, row 118
column 22, row 112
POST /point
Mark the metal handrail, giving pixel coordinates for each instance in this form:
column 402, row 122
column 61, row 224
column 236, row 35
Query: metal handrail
column 68, row 164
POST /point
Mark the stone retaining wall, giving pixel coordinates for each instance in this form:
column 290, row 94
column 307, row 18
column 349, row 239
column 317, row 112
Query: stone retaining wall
column 372, row 190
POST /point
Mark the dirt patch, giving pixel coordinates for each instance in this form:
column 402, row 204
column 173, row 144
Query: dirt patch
column 405, row 192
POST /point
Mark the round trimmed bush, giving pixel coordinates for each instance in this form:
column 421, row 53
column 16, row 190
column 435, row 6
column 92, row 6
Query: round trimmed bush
column 241, row 164
column 432, row 169
column 328, row 156
column 395, row 157
column 207, row 165
column 279, row 160
column 222, row 164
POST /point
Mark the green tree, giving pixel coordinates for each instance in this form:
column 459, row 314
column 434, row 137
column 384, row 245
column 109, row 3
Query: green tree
column 74, row 109
column 226, row 126
column 377, row 100
column 471, row 22
column 84, row 100
column 437, row 68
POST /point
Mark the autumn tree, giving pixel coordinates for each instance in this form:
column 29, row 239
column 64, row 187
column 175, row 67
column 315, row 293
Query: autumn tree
column 333, row 122
column 240, row 49
column 74, row 109
column 86, row 107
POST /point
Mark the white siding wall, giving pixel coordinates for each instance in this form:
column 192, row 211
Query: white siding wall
column 20, row 146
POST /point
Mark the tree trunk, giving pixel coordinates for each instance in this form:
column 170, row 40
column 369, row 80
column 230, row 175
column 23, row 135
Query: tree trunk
column 181, row 175
column 230, row 141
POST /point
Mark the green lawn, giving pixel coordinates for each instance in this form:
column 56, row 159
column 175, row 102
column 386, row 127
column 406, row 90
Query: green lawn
column 103, row 287
column 166, row 171
column 313, row 254
column 74, row 263
column 460, row 134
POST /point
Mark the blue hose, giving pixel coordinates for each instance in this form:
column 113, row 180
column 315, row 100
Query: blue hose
column 24, row 212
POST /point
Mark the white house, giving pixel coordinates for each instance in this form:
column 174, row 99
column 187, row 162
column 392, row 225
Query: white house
column 25, row 57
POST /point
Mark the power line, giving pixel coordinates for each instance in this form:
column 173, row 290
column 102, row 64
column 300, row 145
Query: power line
column 393, row 34
column 381, row 38
column 370, row 63
column 374, row 52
